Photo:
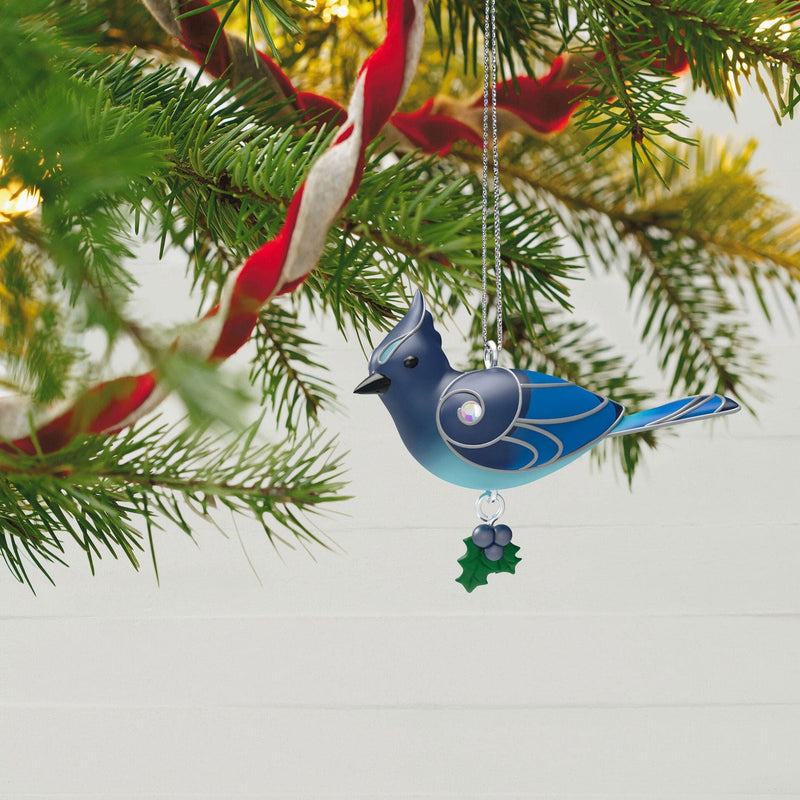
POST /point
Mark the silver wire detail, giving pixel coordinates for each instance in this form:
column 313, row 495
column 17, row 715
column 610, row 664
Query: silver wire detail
column 490, row 102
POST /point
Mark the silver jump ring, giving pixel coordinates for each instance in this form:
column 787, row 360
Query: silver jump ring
column 490, row 507
column 490, row 354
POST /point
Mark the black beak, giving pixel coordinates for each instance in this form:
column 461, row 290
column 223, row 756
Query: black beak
column 375, row 383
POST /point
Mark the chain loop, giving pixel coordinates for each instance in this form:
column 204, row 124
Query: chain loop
column 490, row 354
column 490, row 507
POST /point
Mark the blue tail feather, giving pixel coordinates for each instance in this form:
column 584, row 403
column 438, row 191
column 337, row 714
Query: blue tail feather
column 675, row 412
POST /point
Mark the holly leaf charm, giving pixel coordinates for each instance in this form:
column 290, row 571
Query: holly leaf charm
column 476, row 568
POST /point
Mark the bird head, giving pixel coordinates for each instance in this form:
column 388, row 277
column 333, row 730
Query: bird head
column 409, row 359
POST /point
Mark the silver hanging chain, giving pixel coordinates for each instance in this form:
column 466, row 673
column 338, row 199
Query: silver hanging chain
column 490, row 504
column 491, row 350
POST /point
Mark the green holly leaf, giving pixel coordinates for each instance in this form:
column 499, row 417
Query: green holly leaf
column 509, row 561
column 476, row 568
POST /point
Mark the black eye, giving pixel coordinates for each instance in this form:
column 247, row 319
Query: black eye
column 410, row 362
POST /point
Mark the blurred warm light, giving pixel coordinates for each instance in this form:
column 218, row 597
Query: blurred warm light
column 338, row 8
column 15, row 199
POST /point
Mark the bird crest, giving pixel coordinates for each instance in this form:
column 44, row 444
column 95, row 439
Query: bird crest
column 416, row 320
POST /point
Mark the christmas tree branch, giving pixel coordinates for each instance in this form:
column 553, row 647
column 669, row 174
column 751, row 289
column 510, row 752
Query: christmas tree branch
column 524, row 31
column 93, row 489
column 737, row 27
column 723, row 42
column 433, row 226
column 698, row 332
column 286, row 371
column 616, row 68
column 716, row 203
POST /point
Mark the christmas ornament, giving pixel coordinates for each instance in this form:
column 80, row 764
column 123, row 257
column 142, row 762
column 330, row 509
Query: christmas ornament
column 496, row 428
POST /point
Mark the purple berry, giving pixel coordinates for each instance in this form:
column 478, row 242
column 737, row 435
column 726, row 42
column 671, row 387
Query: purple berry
column 502, row 534
column 483, row 535
column 494, row 552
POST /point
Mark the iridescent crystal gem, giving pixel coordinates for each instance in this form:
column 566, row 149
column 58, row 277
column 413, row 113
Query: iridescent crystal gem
column 470, row 413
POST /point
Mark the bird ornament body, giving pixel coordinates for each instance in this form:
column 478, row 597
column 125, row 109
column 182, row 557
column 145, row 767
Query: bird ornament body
column 498, row 428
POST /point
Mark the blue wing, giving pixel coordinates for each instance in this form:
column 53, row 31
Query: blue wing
column 514, row 420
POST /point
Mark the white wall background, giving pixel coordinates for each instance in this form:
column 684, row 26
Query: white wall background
column 648, row 647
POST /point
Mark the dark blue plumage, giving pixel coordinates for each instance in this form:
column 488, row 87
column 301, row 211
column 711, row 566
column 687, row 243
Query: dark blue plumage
column 497, row 428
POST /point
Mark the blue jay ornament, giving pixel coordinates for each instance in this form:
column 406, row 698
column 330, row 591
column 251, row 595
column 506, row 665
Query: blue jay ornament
column 497, row 428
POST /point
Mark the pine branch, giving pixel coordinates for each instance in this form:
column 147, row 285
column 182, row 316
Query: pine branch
column 426, row 228
column 746, row 39
column 725, row 42
column 94, row 490
column 88, row 161
column 285, row 369
column 33, row 330
column 686, row 253
column 524, row 32
column 701, row 337
column 265, row 13
column 716, row 205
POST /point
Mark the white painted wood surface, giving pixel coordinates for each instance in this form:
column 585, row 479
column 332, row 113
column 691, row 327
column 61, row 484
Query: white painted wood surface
column 648, row 647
